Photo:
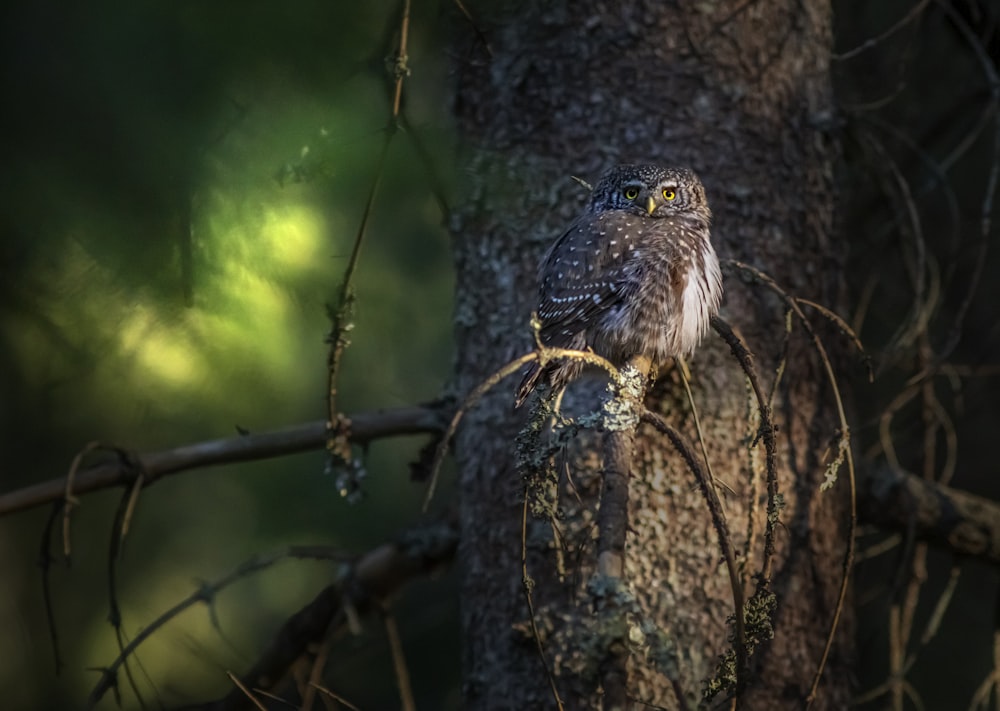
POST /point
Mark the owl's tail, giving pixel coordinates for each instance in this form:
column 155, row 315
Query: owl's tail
column 534, row 376
column 550, row 379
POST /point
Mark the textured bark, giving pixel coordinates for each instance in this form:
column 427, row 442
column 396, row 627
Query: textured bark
column 738, row 91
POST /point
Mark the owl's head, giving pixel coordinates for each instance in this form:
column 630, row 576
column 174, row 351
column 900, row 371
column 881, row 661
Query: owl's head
column 651, row 191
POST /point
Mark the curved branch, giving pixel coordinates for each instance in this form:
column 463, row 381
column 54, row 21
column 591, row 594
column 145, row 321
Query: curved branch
column 725, row 541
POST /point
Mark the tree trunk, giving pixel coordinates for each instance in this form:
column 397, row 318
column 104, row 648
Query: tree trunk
column 739, row 92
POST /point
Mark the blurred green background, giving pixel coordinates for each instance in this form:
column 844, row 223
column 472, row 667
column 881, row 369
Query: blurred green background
column 182, row 187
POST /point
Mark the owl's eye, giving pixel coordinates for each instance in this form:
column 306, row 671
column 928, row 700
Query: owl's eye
column 631, row 193
column 669, row 194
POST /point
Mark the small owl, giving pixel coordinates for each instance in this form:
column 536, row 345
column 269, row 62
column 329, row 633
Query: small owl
column 635, row 274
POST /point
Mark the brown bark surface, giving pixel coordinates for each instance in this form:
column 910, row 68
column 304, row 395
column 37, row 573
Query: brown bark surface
column 739, row 92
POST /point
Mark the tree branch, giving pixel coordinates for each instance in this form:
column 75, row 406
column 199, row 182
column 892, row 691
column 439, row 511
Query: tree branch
column 622, row 418
column 360, row 428
column 967, row 524
column 375, row 576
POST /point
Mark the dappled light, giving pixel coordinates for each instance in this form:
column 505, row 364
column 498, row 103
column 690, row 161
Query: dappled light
column 259, row 277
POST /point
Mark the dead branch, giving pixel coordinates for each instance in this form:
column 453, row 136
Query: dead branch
column 376, row 575
column 844, row 447
column 341, row 319
column 360, row 428
column 964, row 523
column 205, row 594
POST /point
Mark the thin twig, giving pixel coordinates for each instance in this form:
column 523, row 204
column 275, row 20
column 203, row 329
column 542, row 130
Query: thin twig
column 938, row 183
column 341, row 320
column 897, row 678
column 986, row 209
column 479, row 33
column 543, row 355
column 765, row 433
column 871, row 42
column 335, row 697
column 846, row 330
column 526, row 585
column 114, row 609
column 239, row 684
column 275, row 697
column 697, row 420
column 934, row 622
column 402, row 70
column 848, row 561
column 316, row 669
column 923, row 304
column 398, row 660
column 45, row 560
column 69, row 500
column 204, row 594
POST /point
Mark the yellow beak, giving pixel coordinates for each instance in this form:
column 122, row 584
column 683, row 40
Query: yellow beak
column 650, row 204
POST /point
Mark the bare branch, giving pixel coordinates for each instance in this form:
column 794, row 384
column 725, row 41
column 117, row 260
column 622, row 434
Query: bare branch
column 339, row 699
column 765, row 433
column 871, row 42
column 375, row 576
column 398, row 660
column 341, row 319
column 986, row 211
column 844, row 448
column 527, row 584
column 360, row 428
column 966, row 524
column 542, row 355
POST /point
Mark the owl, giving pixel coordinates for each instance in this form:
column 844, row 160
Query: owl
column 635, row 274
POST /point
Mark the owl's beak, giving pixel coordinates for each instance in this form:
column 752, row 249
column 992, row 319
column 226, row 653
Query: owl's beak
column 650, row 204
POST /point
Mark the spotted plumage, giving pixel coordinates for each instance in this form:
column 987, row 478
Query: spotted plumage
column 635, row 274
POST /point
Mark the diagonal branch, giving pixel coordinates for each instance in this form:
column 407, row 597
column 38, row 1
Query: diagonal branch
column 376, row 575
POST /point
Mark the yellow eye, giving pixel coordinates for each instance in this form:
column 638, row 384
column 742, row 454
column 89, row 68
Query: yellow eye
column 669, row 194
column 631, row 193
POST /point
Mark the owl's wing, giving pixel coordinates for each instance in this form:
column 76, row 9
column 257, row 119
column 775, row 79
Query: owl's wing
column 580, row 278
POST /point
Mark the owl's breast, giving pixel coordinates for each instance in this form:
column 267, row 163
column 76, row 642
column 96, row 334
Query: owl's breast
column 672, row 288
